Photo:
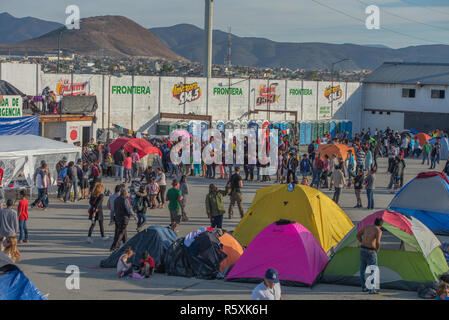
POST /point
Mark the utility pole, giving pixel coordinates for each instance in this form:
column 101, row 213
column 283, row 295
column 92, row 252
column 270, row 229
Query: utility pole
column 59, row 48
column 208, row 27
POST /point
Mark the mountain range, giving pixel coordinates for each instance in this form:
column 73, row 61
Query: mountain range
column 120, row 36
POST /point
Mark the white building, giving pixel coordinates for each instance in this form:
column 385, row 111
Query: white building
column 405, row 96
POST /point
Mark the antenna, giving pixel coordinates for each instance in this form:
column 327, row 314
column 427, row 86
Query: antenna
column 228, row 57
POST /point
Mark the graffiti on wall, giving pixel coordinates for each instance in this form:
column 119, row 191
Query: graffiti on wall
column 64, row 87
column 186, row 92
column 267, row 94
column 333, row 93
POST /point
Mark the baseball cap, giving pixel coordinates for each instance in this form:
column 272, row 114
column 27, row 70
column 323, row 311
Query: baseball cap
column 64, row 158
column 79, row 160
column 272, row 275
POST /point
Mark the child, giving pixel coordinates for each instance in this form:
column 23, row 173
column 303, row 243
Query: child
column 153, row 190
column 146, row 265
column 305, row 181
column 108, row 163
column 125, row 268
column 22, row 212
column 10, row 248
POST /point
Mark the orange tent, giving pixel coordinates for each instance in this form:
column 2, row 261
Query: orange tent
column 422, row 138
column 233, row 250
column 340, row 150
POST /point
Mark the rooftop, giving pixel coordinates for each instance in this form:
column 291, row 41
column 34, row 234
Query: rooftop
column 410, row 73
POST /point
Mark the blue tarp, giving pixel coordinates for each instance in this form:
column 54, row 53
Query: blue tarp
column 15, row 285
column 19, row 126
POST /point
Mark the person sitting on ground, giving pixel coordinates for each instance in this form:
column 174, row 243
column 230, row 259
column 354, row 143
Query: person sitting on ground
column 305, row 181
column 269, row 289
column 125, row 268
column 146, row 265
column 10, row 248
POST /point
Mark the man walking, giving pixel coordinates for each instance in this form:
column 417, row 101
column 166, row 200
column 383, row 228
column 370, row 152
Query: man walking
column 119, row 157
column 41, row 182
column 339, row 182
column 174, row 196
column 123, row 212
column 236, row 184
column 425, row 152
column 369, row 182
column 369, row 237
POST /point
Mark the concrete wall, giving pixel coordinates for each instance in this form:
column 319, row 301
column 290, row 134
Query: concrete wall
column 223, row 98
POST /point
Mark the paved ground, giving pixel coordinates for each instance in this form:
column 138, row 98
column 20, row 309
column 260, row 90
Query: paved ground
column 58, row 239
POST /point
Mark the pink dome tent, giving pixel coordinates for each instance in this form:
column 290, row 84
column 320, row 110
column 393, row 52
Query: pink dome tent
column 286, row 246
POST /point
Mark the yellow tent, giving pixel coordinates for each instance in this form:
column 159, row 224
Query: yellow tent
column 305, row 205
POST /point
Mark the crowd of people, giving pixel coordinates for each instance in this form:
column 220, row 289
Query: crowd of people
column 141, row 189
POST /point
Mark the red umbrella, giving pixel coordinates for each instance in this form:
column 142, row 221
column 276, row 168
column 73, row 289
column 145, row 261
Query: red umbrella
column 117, row 144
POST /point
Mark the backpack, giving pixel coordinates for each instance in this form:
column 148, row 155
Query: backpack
column 95, row 171
column 138, row 204
column 63, row 173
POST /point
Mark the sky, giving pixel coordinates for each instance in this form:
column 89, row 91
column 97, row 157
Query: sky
column 403, row 23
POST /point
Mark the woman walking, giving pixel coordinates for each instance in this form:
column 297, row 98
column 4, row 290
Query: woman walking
column 160, row 180
column 96, row 211
column 183, row 186
column 358, row 186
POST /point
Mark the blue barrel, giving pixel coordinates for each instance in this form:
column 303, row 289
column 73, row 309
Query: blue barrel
column 349, row 128
column 332, row 128
column 220, row 126
column 302, row 133
column 343, row 126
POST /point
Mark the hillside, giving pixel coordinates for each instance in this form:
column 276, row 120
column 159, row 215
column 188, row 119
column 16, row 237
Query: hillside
column 105, row 35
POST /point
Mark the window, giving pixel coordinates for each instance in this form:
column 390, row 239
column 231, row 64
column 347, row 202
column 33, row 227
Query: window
column 438, row 94
column 408, row 93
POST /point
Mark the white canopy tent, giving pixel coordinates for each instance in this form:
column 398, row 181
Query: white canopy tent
column 24, row 153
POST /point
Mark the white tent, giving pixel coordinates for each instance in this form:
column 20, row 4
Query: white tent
column 24, row 153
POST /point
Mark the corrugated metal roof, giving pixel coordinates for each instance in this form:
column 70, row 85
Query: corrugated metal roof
column 410, row 73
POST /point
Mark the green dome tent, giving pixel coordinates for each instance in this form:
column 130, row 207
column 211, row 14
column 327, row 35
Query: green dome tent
column 409, row 256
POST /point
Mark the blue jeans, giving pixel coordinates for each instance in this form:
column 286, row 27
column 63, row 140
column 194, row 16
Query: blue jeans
column 425, row 156
column 141, row 218
column 128, row 174
column 197, row 169
column 367, row 258
column 216, row 222
column 41, row 197
column 118, row 170
column 173, row 167
column 316, row 177
column 230, row 170
column 370, row 195
column 23, row 230
column 433, row 162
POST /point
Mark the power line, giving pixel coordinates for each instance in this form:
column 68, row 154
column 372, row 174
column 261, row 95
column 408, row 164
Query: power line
column 405, row 18
column 419, row 4
column 363, row 21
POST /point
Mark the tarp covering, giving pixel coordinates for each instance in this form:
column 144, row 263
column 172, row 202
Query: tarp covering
column 23, row 153
column 155, row 240
column 78, row 104
column 305, row 205
column 14, row 284
column 201, row 260
column 19, row 125
column 287, row 247
column 427, row 198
